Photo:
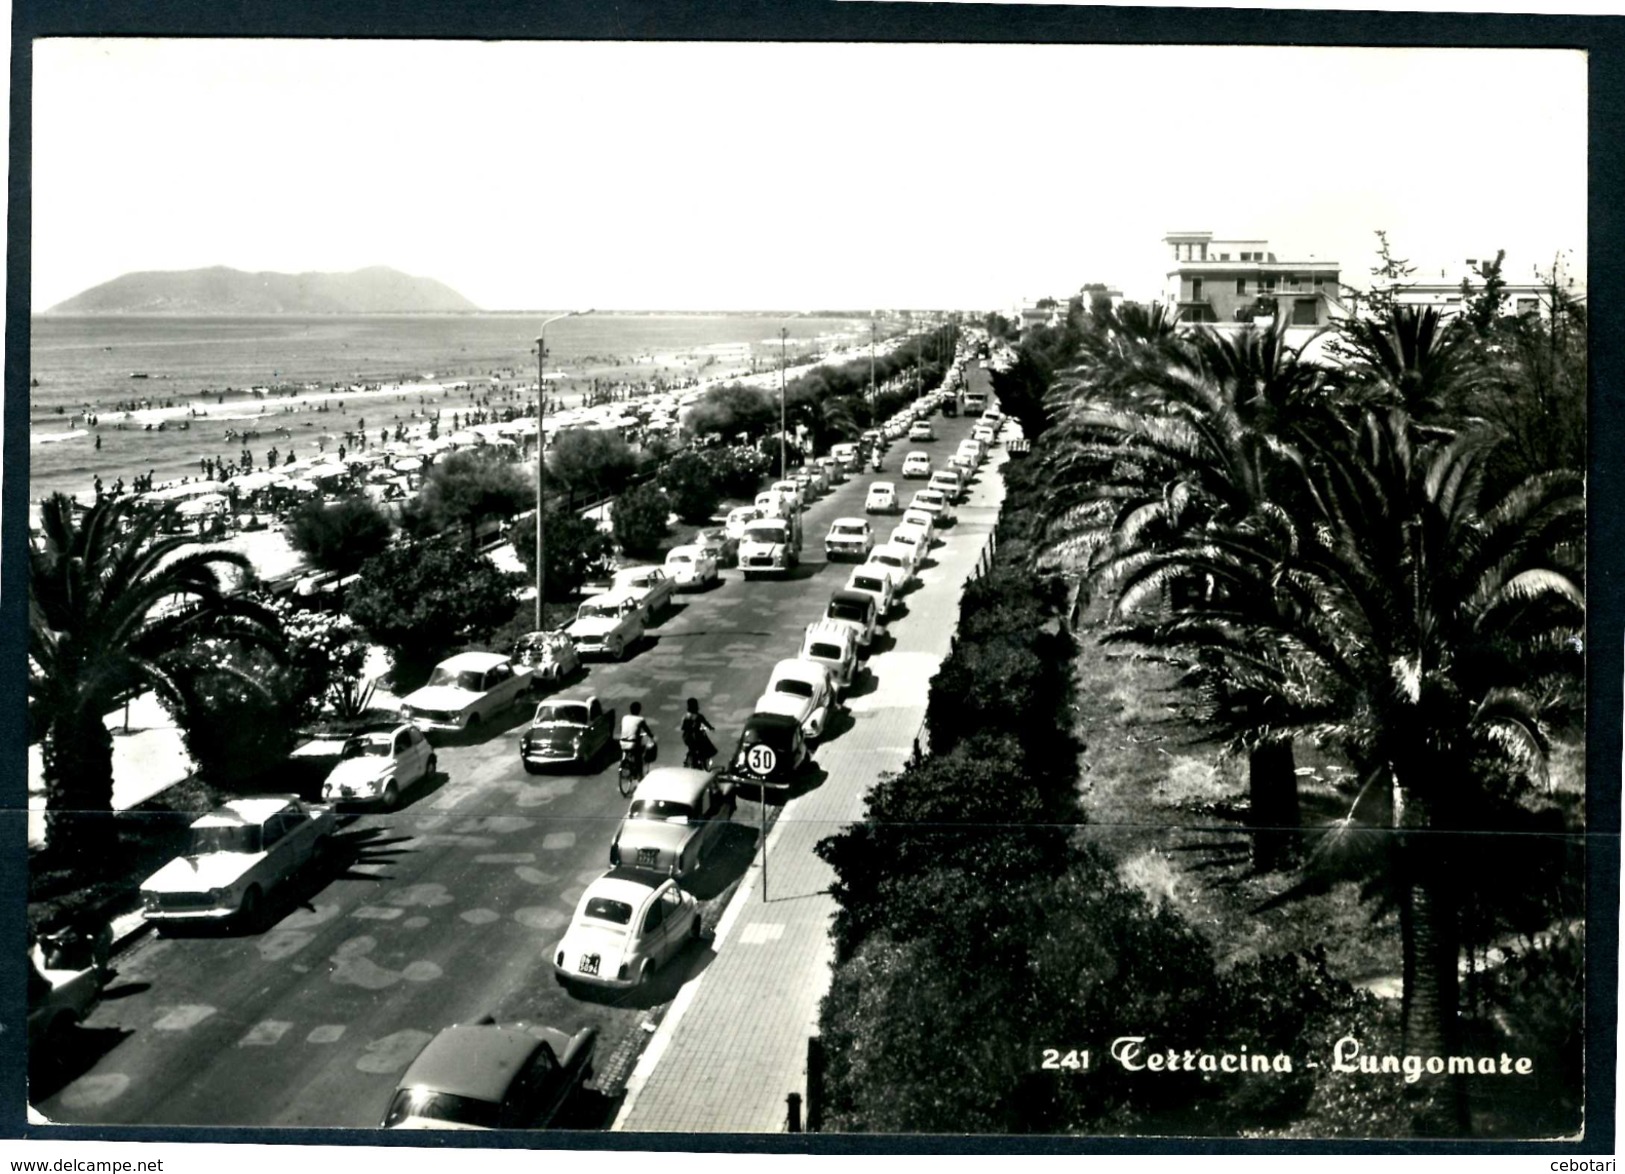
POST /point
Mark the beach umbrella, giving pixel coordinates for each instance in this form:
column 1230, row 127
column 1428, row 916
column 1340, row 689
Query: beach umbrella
column 408, row 465
column 464, row 436
column 177, row 492
column 300, row 485
column 249, row 482
column 208, row 503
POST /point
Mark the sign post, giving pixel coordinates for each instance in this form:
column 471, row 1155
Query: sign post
column 760, row 761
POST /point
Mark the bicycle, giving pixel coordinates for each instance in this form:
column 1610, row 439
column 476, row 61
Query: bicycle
column 631, row 772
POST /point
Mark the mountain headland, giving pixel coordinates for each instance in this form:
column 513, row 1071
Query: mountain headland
column 219, row 290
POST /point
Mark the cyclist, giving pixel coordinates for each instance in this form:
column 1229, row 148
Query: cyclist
column 637, row 739
column 701, row 750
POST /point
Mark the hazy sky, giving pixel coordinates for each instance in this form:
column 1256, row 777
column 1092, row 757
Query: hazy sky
column 694, row 176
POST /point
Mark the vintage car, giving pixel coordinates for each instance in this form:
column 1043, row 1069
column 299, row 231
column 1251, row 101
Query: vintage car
column 490, row 1076
column 934, row 502
column 676, row 816
column 782, row 736
column 901, row 559
column 834, row 470
column 986, row 434
column 914, row 538
column 62, row 990
column 846, row 453
column 917, row 464
column 789, row 491
column 921, row 430
column 573, row 730
column 238, row 854
column 464, row 691
column 650, row 586
column 881, row 499
column 607, row 625
column 691, row 567
column 857, row 611
column 924, row 519
column 835, row 647
column 719, row 544
column 879, row 585
column 770, row 546
column 812, row 481
column 738, row 519
column 849, row 538
column 771, row 503
column 627, row 925
column 950, row 482
column 802, row 690
column 376, row 767
column 550, row 656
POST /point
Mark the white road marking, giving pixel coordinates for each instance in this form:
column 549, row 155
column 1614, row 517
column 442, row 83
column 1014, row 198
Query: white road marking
column 265, row 1033
column 183, row 1017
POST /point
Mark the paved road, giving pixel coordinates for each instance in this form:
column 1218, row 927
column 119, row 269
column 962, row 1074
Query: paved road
column 445, row 910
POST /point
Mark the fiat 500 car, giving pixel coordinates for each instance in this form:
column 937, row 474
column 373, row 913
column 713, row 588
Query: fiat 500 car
column 376, row 767
column 627, row 925
column 491, row 1076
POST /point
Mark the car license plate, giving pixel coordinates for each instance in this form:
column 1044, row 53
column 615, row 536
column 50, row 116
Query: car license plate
column 588, row 964
column 648, row 857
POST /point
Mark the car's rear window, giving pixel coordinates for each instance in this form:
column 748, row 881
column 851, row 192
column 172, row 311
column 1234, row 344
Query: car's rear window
column 793, row 687
column 825, row 651
column 868, row 583
column 848, row 611
column 679, row 558
column 604, row 909
column 850, row 531
column 659, row 809
column 428, row 1105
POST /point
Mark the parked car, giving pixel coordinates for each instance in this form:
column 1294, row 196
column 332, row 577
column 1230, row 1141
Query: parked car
column 770, row 546
column 921, row 430
column 376, row 767
column 691, row 567
column 650, row 586
column 738, row 519
column 773, row 503
column 882, row 498
column 899, row 558
column 719, row 544
column 490, row 1076
column 924, row 519
column 790, row 491
column 465, row 690
column 60, row 995
column 626, row 926
column 573, row 730
column 857, row 611
column 802, row 690
column 917, row 464
column 550, row 656
column 985, row 434
column 878, row 585
column 238, row 854
column 846, row 453
column 834, row 470
column 835, row 647
column 849, row 538
column 934, row 502
column 949, row 482
column 677, row 815
column 972, row 448
column 780, row 734
column 813, row 481
column 913, row 537
column 607, row 625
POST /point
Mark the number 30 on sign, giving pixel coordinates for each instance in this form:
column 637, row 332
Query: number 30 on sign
column 760, row 759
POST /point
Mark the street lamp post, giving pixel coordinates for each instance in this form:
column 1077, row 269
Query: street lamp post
column 541, row 450
column 784, row 333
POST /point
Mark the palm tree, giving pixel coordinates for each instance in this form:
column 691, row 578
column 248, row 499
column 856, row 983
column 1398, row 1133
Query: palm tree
column 1191, row 442
column 1417, row 359
column 112, row 606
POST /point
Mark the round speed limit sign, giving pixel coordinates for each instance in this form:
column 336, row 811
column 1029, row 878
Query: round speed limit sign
column 761, row 760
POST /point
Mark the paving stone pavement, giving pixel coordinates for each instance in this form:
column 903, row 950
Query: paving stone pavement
column 733, row 1045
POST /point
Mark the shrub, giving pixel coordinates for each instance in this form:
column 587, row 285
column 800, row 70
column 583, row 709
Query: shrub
column 341, row 535
column 738, row 469
column 593, row 461
column 639, row 516
column 576, row 549
column 691, row 487
column 423, row 601
column 470, row 486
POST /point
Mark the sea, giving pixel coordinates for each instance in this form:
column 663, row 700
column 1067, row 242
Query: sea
column 161, row 393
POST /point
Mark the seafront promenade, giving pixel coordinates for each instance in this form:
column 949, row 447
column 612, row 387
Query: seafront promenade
column 734, row 1045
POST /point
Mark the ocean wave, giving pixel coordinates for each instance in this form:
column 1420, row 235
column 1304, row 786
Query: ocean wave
column 56, row 437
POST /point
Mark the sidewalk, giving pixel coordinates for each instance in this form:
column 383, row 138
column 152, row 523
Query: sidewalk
column 734, row 1043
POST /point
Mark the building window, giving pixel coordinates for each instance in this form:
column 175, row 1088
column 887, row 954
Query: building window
column 1196, row 289
column 1246, row 256
column 1267, row 284
column 1224, row 256
column 1241, row 285
column 1528, row 306
column 1303, row 311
